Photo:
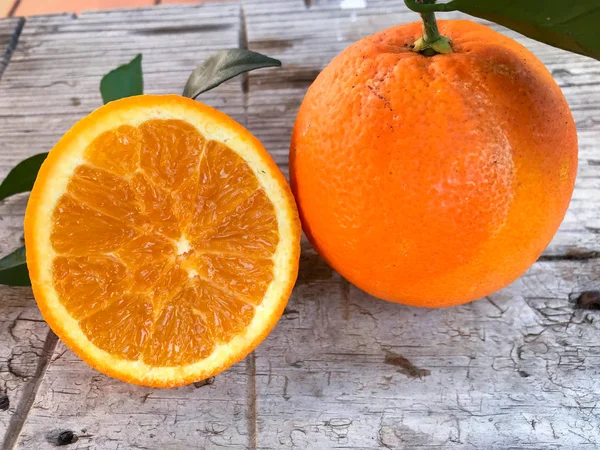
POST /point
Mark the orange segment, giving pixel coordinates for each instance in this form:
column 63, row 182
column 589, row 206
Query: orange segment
column 226, row 315
column 117, row 150
column 81, row 230
column 159, row 251
column 231, row 234
column 245, row 277
column 122, row 328
column 87, row 284
column 105, row 193
column 156, row 204
column 170, row 151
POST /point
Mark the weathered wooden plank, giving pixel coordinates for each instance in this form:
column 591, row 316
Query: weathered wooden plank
column 58, row 66
column 515, row 370
column 341, row 369
column 51, row 82
column 345, row 370
column 22, row 333
column 104, row 413
column 24, row 353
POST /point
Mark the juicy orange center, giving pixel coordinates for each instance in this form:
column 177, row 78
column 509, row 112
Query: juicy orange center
column 164, row 243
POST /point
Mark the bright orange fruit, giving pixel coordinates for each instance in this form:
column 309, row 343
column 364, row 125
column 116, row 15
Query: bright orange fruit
column 162, row 240
column 433, row 181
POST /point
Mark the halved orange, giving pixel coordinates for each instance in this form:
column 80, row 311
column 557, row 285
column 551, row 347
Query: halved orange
column 162, row 240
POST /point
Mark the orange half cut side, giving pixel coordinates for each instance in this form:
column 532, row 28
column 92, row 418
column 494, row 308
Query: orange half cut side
column 162, row 240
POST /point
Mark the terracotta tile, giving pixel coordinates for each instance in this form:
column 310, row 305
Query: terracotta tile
column 5, row 7
column 33, row 7
column 175, row 2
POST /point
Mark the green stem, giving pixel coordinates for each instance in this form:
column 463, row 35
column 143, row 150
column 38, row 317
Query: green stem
column 430, row 28
column 432, row 42
column 416, row 6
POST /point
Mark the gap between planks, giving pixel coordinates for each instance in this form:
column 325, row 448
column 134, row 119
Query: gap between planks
column 31, row 387
column 251, row 413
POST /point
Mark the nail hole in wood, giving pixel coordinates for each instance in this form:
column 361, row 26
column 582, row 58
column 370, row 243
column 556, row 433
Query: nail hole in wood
column 61, row 438
column 588, row 300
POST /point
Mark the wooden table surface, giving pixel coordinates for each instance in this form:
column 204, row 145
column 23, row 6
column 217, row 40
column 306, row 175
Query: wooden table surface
column 519, row 369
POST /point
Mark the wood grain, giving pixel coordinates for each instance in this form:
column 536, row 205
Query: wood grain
column 345, row 370
column 53, row 81
column 341, row 370
column 22, row 332
column 515, row 370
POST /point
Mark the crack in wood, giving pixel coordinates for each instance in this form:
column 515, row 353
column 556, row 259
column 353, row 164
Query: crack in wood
column 243, row 44
column 29, row 393
column 170, row 31
column 572, row 255
column 345, row 297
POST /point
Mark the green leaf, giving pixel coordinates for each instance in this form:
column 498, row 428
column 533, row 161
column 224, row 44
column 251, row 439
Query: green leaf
column 568, row 24
column 222, row 66
column 22, row 176
column 13, row 269
column 125, row 81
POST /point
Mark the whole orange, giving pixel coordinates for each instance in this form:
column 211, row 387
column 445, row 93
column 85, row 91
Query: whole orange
column 433, row 180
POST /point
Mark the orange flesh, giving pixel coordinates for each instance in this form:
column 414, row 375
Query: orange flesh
column 164, row 243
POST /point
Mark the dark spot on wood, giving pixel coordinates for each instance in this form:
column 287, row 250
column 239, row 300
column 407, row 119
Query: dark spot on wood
column 561, row 73
column 181, row 29
column 290, row 76
column 61, row 438
column 404, row 366
column 75, row 101
column 588, row 300
column 312, row 267
column 271, row 44
column 297, row 364
column 4, row 402
column 291, row 314
column 302, row 75
column 523, row 374
column 207, row 382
